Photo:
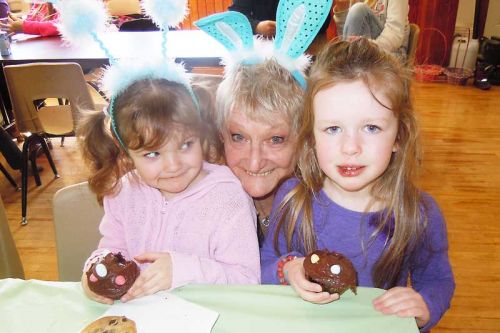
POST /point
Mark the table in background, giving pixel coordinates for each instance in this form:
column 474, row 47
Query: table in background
column 194, row 48
column 42, row 306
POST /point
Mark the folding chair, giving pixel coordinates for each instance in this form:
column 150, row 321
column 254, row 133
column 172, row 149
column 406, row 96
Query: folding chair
column 77, row 215
column 29, row 84
column 10, row 263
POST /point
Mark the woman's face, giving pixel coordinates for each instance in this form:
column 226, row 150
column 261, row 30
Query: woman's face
column 261, row 155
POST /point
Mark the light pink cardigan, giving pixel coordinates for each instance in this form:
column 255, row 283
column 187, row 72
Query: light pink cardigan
column 209, row 230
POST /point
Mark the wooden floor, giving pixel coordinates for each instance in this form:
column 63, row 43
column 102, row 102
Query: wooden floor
column 461, row 134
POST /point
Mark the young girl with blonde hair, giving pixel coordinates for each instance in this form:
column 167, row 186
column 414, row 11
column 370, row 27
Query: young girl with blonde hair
column 355, row 193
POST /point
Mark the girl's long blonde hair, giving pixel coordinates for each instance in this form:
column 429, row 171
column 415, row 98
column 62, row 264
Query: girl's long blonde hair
column 402, row 219
column 147, row 114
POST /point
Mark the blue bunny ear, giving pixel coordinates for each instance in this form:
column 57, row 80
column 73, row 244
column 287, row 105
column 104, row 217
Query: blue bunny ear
column 231, row 29
column 82, row 19
column 297, row 23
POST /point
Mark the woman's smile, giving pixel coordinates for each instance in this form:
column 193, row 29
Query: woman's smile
column 259, row 174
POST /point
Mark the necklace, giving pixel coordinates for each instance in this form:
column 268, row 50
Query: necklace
column 264, row 221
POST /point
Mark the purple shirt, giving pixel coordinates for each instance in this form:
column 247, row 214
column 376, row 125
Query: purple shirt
column 4, row 8
column 341, row 230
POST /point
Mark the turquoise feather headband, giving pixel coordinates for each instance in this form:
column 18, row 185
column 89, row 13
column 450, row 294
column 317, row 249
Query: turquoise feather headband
column 83, row 19
column 297, row 23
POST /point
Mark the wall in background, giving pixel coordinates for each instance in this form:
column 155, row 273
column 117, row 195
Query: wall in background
column 465, row 16
column 202, row 8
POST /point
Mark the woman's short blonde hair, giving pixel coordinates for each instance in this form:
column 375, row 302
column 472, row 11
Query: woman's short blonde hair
column 261, row 92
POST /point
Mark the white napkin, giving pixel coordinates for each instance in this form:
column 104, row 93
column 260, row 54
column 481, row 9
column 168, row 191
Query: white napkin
column 22, row 37
column 164, row 312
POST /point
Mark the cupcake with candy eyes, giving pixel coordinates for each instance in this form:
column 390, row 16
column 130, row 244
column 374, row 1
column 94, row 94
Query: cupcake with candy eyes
column 111, row 275
column 332, row 271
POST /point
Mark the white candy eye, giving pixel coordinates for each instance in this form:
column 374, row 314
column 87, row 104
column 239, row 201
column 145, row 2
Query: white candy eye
column 314, row 258
column 101, row 270
column 335, row 269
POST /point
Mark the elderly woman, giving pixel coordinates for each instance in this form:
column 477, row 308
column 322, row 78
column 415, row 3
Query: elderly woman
column 259, row 109
column 260, row 100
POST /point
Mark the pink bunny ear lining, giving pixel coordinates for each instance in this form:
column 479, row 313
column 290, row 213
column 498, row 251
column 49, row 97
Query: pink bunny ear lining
column 298, row 23
column 231, row 29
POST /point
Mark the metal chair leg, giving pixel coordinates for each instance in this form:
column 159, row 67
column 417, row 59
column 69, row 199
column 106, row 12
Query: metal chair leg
column 31, row 140
column 49, row 157
column 24, row 181
column 34, row 172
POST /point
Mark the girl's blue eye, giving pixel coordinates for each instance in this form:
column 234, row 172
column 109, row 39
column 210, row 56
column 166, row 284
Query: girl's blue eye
column 186, row 145
column 332, row 130
column 236, row 137
column 152, row 154
column 277, row 139
column 372, row 128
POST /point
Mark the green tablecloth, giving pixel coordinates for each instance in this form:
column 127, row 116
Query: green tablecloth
column 42, row 306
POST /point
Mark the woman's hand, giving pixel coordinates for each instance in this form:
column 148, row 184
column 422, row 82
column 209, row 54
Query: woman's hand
column 90, row 294
column 306, row 289
column 403, row 302
column 158, row 276
column 266, row 28
column 11, row 24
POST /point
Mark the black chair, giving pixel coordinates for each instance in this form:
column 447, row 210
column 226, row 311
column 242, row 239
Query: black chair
column 140, row 24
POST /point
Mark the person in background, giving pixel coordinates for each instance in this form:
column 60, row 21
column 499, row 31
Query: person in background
column 355, row 192
column 10, row 150
column 4, row 9
column 262, row 17
column 384, row 21
column 41, row 20
column 13, row 154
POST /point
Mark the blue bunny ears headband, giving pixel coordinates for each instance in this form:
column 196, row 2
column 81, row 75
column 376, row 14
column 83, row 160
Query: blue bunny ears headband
column 297, row 23
column 83, row 19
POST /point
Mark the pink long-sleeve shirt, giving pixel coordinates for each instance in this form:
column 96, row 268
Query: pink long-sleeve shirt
column 40, row 22
column 209, row 230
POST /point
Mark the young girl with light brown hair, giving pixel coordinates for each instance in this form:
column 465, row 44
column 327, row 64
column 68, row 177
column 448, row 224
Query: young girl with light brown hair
column 182, row 219
column 355, row 193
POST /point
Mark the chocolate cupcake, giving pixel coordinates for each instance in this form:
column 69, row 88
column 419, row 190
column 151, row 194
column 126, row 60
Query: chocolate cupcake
column 112, row 276
column 332, row 271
